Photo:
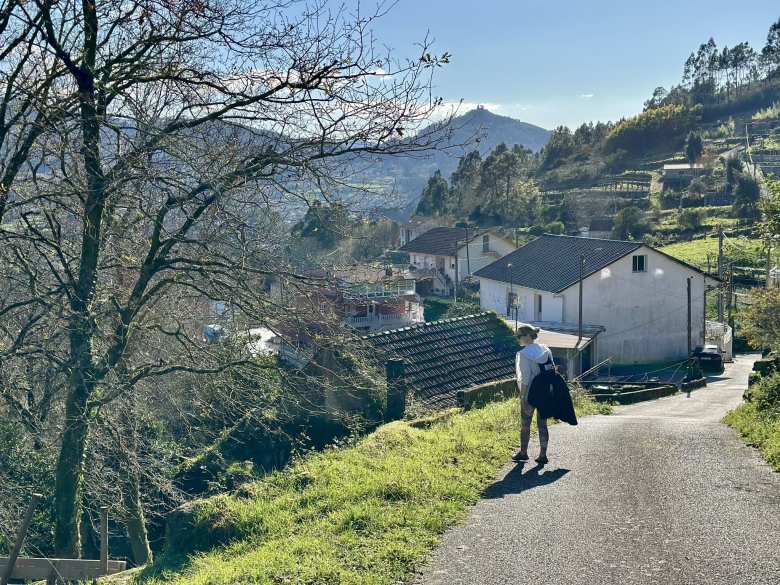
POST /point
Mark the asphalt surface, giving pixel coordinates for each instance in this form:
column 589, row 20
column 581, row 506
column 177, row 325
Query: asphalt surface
column 659, row 492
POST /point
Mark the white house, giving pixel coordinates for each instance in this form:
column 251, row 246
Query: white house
column 448, row 255
column 416, row 227
column 635, row 304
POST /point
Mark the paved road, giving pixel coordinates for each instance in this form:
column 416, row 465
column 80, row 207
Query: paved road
column 659, row 492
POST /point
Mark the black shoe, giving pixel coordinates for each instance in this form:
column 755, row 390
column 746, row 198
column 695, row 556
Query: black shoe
column 519, row 457
column 542, row 460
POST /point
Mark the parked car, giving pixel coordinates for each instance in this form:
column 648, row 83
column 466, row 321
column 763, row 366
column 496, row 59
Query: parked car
column 709, row 357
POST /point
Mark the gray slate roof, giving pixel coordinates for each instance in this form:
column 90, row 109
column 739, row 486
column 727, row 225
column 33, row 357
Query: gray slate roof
column 551, row 263
column 439, row 241
column 445, row 356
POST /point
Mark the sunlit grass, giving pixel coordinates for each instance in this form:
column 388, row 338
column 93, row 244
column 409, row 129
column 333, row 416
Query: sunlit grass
column 759, row 429
column 744, row 251
column 366, row 514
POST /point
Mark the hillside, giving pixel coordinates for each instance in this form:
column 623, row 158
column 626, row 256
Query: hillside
column 478, row 129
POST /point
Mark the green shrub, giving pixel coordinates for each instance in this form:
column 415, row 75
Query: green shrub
column 772, row 111
column 758, row 420
column 690, row 219
column 758, row 430
column 556, row 227
column 765, row 394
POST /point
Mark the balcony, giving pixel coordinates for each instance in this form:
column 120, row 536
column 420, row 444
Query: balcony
column 381, row 290
column 379, row 321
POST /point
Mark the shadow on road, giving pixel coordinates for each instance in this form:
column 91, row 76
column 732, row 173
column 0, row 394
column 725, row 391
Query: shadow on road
column 516, row 481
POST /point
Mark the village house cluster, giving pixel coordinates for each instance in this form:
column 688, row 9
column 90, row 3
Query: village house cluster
column 597, row 301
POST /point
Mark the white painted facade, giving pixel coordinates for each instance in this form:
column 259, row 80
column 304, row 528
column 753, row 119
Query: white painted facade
column 481, row 252
column 644, row 314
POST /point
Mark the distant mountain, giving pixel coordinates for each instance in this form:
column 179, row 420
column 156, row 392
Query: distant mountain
column 477, row 129
column 493, row 129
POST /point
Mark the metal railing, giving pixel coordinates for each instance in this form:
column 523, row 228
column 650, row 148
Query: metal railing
column 720, row 334
column 369, row 320
column 381, row 290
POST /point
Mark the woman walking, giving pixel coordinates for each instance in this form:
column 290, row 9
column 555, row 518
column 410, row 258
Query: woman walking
column 528, row 362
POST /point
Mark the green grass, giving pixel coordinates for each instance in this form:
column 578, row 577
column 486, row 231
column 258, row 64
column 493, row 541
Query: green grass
column 758, row 429
column 442, row 308
column 365, row 514
column 744, row 251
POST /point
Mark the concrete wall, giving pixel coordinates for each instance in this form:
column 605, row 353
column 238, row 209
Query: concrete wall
column 645, row 313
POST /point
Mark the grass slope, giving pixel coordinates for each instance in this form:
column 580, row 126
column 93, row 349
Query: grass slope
column 365, row 514
column 758, row 429
column 744, row 251
column 758, row 419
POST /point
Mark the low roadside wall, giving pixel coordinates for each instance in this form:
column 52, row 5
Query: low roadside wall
column 637, row 395
column 484, row 393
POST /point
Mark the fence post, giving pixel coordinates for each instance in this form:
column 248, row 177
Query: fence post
column 20, row 536
column 396, row 389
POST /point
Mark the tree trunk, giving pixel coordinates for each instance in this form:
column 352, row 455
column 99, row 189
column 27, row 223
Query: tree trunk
column 134, row 511
column 67, row 486
column 67, row 538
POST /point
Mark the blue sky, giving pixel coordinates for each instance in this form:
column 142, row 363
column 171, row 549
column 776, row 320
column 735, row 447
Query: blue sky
column 568, row 61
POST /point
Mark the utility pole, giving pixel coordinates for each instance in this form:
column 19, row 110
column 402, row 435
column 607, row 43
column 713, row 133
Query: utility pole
column 720, row 273
column 731, row 297
column 511, row 300
column 582, row 266
column 768, row 262
column 468, row 259
column 457, row 261
column 690, row 347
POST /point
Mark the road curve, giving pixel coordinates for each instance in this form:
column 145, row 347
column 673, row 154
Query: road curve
column 659, row 492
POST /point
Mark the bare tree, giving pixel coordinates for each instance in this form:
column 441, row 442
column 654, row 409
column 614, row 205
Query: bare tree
column 146, row 146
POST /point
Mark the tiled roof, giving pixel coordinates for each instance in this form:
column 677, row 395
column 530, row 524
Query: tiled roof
column 551, row 263
column 439, row 241
column 445, row 356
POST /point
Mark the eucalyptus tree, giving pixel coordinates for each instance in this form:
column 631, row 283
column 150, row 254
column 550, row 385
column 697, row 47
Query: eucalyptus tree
column 145, row 146
column 771, row 51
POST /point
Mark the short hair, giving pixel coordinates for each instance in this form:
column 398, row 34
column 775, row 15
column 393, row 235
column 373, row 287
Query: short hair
column 529, row 330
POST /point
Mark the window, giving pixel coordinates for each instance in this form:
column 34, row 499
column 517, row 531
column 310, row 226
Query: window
column 537, row 307
column 486, row 243
column 639, row 263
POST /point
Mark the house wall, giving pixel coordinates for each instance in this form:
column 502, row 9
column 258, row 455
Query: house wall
column 477, row 258
column 644, row 314
column 493, row 297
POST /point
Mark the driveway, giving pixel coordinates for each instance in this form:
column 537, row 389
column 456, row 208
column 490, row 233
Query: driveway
column 659, row 492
